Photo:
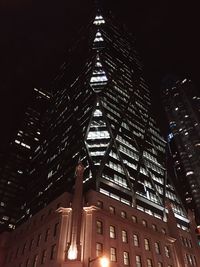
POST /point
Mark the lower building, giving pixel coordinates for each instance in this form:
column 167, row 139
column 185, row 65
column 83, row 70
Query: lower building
column 76, row 231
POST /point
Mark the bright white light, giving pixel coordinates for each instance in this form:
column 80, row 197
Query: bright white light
column 72, row 253
column 104, row 262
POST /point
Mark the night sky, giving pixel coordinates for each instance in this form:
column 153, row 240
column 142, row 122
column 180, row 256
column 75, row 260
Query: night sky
column 36, row 36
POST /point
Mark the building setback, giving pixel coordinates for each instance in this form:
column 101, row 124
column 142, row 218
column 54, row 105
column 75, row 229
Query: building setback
column 98, row 183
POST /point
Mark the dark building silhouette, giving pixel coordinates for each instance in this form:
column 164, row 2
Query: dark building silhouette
column 15, row 162
column 182, row 106
column 98, row 183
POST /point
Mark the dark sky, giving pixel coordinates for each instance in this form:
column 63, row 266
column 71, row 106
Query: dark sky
column 36, row 35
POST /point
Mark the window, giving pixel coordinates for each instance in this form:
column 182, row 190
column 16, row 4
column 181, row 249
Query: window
column 138, row 261
column 144, row 223
column 167, row 252
column 53, row 252
column 99, row 249
column 163, row 230
column 113, row 254
column 126, row 258
column 55, row 229
column 123, row 214
column 44, row 256
column 124, row 236
column 154, row 227
column 112, row 231
column 99, row 227
column 146, row 244
column 112, row 210
column 149, row 263
column 100, row 204
column 35, row 260
column 24, row 248
column 160, row 264
column 134, row 218
column 157, row 247
column 135, row 240
column 38, row 240
column 27, row 263
column 31, row 244
column 47, row 235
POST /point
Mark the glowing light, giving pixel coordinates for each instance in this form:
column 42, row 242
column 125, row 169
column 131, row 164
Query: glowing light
column 104, row 262
column 72, row 253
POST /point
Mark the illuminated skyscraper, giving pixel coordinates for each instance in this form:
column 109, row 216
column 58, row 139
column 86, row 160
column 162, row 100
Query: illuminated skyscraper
column 182, row 106
column 104, row 120
column 98, row 183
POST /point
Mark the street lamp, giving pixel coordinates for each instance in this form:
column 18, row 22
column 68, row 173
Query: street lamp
column 104, row 262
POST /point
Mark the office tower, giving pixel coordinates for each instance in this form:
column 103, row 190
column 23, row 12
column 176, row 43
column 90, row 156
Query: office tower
column 182, row 106
column 14, row 164
column 98, row 183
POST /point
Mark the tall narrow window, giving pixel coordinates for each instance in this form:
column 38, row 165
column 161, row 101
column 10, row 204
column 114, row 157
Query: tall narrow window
column 144, row 223
column 47, row 234
column 53, row 252
column 27, row 263
column 112, row 231
column 157, row 248
column 154, row 227
column 35, row 260
column 124, row 236
column 44, row 256
column 167, row 252
column 31, row 244
column 160, row 264
column 100, row 204
column 135, row 240
column 134, row 218
column 112, row 210
column 138, row 261
column 149, row 263
column 146, row 244
column 55, row 229
column 126, row 258
column 123, row 214
column 38, row 240
column 99, row 227
column 113, row 254
column 99, row 249
column 24, row 248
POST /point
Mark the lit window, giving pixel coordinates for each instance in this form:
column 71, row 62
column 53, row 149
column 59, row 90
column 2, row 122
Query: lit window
column 124, row 236
column 99, row 227
column 100, row 204
column 146, row 244
column 99, row 20
column 167, row 252
column 126, row 258
column 160, row 264
column 154, row 227
column 134, row 218
column 138, row 261
column 163, row 230
column 144, row 223
column 99, row 249
column 98, row 37
column 113, row 254
column 149, row 263
column 112, row 210
column 123, row 214
column 157, row 247
column 136, row 240
column 112, row 232
column 189, row 173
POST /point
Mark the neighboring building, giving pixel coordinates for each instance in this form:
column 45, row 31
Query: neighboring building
column 118, row 201
column 14, row 164
column 182, row 106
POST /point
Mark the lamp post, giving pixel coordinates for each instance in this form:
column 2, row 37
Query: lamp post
column 104, row 262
